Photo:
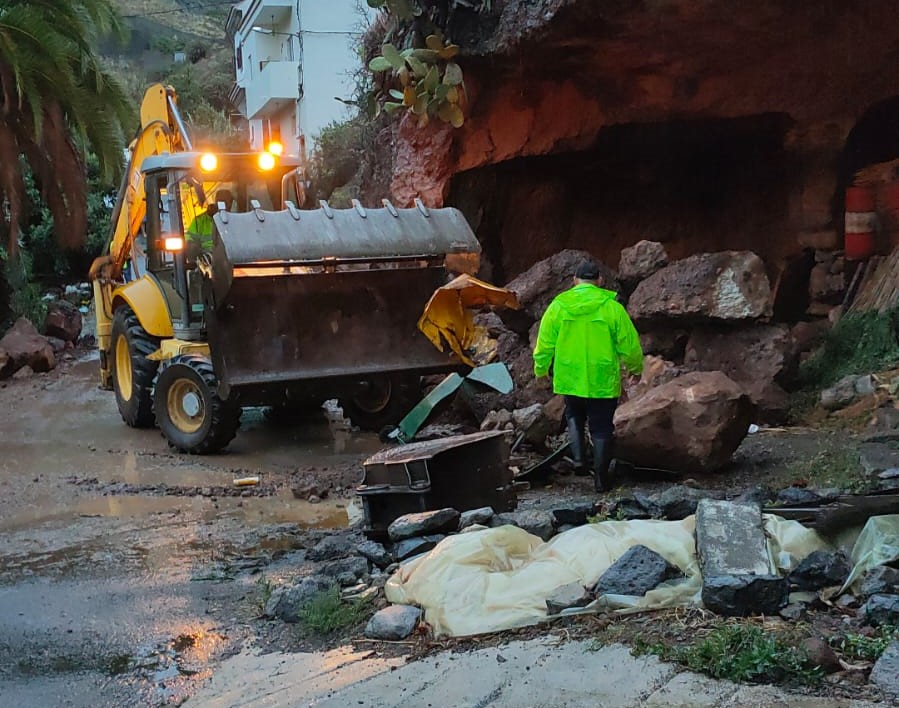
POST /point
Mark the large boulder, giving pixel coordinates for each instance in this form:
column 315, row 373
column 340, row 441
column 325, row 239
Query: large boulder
column 63, row 320
column 25, row 346
column 762, row 359
column 691, row 424
column 641, row 260
column 724, row 286
column 540, row 283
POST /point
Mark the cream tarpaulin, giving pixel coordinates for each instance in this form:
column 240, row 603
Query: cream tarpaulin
column 878, row 544
column 494, row 579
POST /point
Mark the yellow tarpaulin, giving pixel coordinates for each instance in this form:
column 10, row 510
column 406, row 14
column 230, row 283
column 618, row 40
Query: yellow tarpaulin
column 495, row 579
column 447, row 318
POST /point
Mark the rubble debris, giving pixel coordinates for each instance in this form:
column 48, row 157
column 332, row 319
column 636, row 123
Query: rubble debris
column 880, row 580
column 758, row 495
column 636, row 572
column 819, row 654
column 330, row 547
column 876, row 458
column 575, row 515
column 393, row 623
column 640, row 261
column 63, row 320
column 471, row 517
column 375, row 552
column 679, row 501
column 845, row 391
column 763, row 359
column 695, row 423
column 799, row 496
column 565, row 596
column 885, row 674
column 423, row 523
column 287, row 602
column 827, row 280
column 23, row 345
column 347, row 571
column 409, row 547
column 497, row 420
column 733, row 556
column 665, row 342
column 534, row 521
column 728, row 286
column 820, row 569
column 882, row 610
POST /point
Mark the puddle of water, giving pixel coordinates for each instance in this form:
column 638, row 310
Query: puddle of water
column 250, row 510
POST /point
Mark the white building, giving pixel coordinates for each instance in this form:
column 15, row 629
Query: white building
column 293, row 59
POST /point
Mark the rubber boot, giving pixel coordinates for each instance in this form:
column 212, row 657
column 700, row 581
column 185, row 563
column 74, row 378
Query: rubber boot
column 602, row 458
column 576, row 448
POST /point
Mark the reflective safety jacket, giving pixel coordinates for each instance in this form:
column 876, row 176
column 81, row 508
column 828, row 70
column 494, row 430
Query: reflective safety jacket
column 587, row 335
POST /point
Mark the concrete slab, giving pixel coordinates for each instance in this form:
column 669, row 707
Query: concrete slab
column 688, row 690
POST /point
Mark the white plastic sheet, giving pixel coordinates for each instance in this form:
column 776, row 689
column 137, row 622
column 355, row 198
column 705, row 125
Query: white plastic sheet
column 878, row 544
column 495, row 579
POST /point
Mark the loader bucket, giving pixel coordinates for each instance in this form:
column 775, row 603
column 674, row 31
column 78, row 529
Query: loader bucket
column 297, row 296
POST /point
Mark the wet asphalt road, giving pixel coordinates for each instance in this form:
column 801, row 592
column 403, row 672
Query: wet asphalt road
column 119, row 599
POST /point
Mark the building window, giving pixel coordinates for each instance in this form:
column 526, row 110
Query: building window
column 238, row 57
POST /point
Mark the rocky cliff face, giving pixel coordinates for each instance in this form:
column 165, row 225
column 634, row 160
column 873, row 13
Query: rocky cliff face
column 704, row 125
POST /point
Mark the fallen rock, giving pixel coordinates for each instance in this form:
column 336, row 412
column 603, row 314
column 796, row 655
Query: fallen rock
column 423, row 522
column 393, row 623
column 656, row 372
column 63, row 320
column 758, row 495
column 880, row 580
column 665, row 342
column 819, row 654
column 820, row 569
column 565, row 596
column 877, row 457
column 728, row 285
column 809, row 335
column 534, row 521
column 287, row 603
column 762, row 359
column 679, row 501
column 733, row 557
column 375, row 552
column 497, row 420
column 575, row 515
column 354, row 567
column 25, row 346
column 540, row 283
column 475, row 516
column 636, row 572
column 798, row 496
column 882, row 610
column 329, row 548
column 540, row 420
column 641, row 260
column 845, row 391
column 409, row 547
column 826, row 286
column 885, row 674
column 691, row 424
column 25, row 372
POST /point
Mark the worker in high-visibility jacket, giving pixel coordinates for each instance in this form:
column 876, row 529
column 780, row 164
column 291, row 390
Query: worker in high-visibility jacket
column 586, row 336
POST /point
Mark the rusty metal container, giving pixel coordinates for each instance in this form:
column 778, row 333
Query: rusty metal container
column 463, row 472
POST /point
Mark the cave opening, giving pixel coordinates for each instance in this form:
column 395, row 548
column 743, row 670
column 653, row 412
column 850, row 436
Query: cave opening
column 694, row 185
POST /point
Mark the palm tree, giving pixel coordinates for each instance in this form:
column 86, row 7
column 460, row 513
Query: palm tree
column 56, row 103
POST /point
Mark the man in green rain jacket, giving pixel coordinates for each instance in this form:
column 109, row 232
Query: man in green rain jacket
column 586, row 335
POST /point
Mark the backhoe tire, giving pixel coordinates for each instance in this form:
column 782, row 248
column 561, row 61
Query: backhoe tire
column 189, row 411
column 386, row 402
column 132, row 372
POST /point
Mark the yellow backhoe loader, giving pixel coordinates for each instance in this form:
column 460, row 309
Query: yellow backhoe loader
column 217, row 292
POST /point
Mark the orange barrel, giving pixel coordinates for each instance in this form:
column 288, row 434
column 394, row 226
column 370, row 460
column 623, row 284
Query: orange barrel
column 860, row 221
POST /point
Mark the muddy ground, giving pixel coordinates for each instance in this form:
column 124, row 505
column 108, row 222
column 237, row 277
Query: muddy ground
column 127, row 570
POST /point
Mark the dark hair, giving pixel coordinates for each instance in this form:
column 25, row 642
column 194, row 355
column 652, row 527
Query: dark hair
column 587, row 270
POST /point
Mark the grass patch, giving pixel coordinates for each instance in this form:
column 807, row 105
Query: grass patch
column 326, row 612
column 859, row 646
column 833, row 466
column 858, row 344
column 264, row 588
column 739, row 652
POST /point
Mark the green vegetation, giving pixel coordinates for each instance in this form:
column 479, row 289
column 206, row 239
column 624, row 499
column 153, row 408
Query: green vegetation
column 836, row 465
column 858, row 646
column 740, row 652
column 425, row 81
column 327, row 613
column 265, row 588
column 858, row 344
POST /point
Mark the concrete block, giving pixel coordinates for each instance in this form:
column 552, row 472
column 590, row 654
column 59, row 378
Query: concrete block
column 737, row 578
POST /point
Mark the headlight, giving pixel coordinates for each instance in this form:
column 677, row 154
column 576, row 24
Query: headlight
column 266, row 161
column 208, row 162
column 174, row 243
column 275, row 148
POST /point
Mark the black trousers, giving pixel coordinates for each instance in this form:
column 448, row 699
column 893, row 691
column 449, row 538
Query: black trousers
column 598, row 412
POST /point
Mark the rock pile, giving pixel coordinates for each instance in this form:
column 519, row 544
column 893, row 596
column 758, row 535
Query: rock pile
column 23, row 346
